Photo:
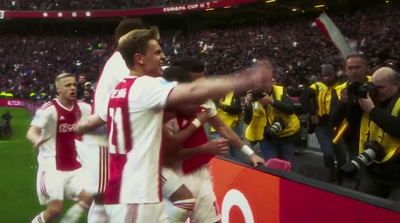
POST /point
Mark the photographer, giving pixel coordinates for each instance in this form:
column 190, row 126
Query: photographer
column 380, row 136
column 344, row 104
column 316, row 101
column 271, row 119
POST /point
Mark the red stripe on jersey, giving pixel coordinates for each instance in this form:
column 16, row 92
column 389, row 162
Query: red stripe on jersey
column 46, row 105
column 113, row 189
column 118, row 116
column 198, row 138
column 66, row 155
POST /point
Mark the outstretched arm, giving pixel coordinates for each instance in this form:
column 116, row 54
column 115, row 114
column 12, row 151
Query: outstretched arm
column 216, row 87
column 89, row 123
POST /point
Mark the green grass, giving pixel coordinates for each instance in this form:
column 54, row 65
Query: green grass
column 18, row 166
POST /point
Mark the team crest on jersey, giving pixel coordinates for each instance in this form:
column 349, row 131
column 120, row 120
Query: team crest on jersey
column 77, row 115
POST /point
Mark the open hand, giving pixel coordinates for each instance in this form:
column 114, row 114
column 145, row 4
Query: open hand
column 40, row 142
column 216, row 147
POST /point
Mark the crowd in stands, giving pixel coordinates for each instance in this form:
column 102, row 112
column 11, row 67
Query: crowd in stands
column 296, row 46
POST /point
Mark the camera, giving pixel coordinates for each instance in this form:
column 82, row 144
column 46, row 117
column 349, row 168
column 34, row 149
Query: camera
column 277, row 126
column 357, row 90
column 372, row 152
column 257, row 94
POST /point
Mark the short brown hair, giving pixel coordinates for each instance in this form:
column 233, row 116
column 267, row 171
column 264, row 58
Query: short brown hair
column 136, row 41
column 127, row 25
column 62, row 76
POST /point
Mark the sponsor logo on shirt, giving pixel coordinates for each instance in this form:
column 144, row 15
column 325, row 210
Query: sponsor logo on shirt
column 66, row 127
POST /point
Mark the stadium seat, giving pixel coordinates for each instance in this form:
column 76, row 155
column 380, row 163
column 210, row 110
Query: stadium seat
column 278, row 164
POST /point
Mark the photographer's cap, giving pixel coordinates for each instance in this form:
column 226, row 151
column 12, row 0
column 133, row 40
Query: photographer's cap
column 327, row 69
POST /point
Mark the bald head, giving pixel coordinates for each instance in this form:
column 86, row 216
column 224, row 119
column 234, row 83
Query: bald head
column 387, row 82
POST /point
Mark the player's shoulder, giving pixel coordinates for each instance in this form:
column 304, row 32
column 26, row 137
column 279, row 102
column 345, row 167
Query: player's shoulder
column 83, row 104
column 47, row 106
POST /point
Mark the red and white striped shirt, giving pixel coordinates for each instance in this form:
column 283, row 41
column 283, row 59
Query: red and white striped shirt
column 58, row 122
column 134, row 123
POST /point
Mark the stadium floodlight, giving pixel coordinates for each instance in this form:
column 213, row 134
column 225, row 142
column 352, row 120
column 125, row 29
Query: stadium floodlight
column 319, row 6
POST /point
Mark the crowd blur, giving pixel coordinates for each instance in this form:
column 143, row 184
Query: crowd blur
column 28, row 63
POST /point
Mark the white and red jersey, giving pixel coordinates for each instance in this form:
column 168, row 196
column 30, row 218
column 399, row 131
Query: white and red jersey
column 114, row 71
column 58, row 122
column 134, row 123
column 198, row 138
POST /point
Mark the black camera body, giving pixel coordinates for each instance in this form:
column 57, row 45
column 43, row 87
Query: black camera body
column 357, row 90
column 257, row 94
column 277, row 126
column 373, row 151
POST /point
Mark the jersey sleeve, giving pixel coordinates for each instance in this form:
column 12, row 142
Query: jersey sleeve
column 41, row 118
column 212, row 109
column 149, row 93
column 86, row 109
column 114, row 71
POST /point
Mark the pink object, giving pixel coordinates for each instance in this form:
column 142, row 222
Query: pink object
column 278, row 164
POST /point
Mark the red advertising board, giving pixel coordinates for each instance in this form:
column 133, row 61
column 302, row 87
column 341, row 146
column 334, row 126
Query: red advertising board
column 123, row 13
column 246, row 195
column 30, row 106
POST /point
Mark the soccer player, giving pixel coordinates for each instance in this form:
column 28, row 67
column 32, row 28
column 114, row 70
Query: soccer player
column 134, row 121
column 93, row 153
column 59, row 174
column 190, row 167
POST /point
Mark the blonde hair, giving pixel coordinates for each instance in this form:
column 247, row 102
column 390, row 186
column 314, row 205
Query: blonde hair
column 62, row 76
column 136, row 41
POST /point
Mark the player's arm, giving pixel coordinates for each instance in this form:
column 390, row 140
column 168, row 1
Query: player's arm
column 216, row 87
column 89, row 123
column 34, row 135
column 234, row 139
column 172, row 142
column 212, row 147
column 38, row 123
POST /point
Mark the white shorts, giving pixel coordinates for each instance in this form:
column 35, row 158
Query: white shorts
column 55, row 185
column 170, row 182
column 137, row 213
column 94, row 158
column 200, row 184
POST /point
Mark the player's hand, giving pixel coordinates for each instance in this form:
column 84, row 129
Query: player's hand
column 314, row 119
column 344, row 96
column 216, row 147
column 40, row 142
column 267, row 100
column 203, row 116
column 256, row 160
